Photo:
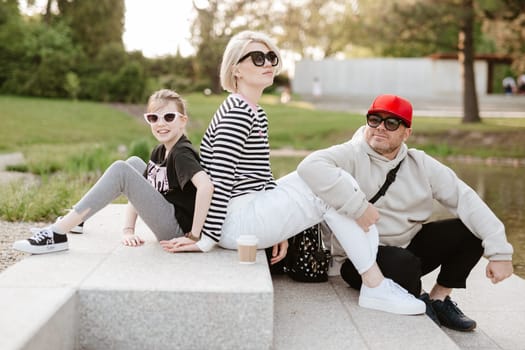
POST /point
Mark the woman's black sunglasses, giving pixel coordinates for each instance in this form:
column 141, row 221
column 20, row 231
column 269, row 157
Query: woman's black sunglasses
column 259, row 58
column 391, row 123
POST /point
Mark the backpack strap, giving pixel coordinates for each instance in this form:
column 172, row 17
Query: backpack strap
column 390, row 177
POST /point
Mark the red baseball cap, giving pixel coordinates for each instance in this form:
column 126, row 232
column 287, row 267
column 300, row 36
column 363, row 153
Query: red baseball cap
column 394, row 105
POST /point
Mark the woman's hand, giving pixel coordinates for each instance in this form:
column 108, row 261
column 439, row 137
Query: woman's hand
column 180, row 244
column 132, row 240
column 279, row 252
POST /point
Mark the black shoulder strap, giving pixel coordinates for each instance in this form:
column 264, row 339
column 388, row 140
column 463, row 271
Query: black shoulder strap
column 390, row 177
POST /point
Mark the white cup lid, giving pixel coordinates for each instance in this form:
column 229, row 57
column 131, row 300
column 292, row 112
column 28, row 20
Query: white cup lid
column 247, row 240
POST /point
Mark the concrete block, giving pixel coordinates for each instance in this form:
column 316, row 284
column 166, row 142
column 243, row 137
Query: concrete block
column 38, row 318
column 143, row 297
column 62, row 269
column 102, row 295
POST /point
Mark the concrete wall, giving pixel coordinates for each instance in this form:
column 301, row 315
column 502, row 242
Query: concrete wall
column 371, row 76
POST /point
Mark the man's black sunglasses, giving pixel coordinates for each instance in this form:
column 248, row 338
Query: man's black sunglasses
column 259, row 58
column 391, row 123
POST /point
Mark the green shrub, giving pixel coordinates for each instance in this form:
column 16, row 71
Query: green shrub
column 72, row 85
column 141, row 148
column 39, row 201
column 96, row 160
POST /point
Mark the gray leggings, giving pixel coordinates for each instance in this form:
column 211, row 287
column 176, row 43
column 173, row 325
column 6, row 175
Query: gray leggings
column 125, row 177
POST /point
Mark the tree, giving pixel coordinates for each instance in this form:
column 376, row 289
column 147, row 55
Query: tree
column 11, row 30
column 77, row 49
column 216, row 22
column 426, row 26
column 466, row 58
column 93, row 23
column 35, row 58
column 8, row 10
column 422, row 27
column 505, row 24
column 315, row 28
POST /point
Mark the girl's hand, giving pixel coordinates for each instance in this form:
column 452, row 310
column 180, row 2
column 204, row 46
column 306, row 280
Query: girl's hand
column 132, row 240
column 180, row 244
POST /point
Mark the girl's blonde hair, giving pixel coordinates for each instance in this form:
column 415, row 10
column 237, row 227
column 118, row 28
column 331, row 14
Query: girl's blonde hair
column 162, row 97
column 234, row 51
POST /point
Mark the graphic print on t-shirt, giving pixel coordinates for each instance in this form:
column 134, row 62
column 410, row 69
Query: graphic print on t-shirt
column 158, row 177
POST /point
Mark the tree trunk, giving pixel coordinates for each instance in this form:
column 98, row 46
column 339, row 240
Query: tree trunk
column 47, row 15
column 466, row 59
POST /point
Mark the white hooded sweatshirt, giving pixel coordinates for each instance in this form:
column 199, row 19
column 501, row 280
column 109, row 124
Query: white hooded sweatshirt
column 409, row 201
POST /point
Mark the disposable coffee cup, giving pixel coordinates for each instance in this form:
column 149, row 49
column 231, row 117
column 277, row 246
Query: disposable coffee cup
column 247, row 248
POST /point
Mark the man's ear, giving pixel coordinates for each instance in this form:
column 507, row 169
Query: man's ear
column 408, row 132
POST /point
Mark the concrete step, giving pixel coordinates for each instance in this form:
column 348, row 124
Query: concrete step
column 102, row 295
column 499, row 310
column 327, row 316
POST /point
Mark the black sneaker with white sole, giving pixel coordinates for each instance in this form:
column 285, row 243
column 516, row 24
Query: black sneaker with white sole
column 42, row 242
column 451, row 316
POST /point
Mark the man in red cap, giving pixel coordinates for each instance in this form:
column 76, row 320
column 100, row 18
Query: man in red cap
column 403, row 184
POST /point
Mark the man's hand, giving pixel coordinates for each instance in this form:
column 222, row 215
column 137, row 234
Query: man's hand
column 497, row 271
column 279, row 252
column 369, row 218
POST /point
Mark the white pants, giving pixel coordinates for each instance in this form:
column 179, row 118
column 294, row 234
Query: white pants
column 276, row 215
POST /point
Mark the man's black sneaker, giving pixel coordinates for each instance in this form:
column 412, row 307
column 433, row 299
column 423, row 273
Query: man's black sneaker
column 43, row 241
column 430, row 310
column 451, row 316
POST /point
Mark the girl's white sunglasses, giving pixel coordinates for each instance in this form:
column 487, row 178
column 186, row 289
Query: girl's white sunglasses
column 168, row 117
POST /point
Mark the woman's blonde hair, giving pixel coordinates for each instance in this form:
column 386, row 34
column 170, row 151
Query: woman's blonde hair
column 234, row 51
column 162, row 97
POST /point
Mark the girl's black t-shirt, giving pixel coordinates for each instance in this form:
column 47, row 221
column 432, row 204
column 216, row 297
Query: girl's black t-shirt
column 171, row 176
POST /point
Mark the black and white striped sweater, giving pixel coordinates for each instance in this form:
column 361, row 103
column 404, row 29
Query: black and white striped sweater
column 236, row 155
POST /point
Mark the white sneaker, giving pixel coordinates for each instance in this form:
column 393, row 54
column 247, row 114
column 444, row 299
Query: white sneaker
column 390, row 297
column 42, row 242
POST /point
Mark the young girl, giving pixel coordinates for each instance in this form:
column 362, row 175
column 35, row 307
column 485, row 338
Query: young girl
column 171, row 193
column 247, row 200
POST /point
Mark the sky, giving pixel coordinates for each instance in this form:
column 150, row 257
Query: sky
column 155, row 27
column 158, row 27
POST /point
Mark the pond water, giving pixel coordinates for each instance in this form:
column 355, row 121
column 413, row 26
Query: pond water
column 503, row 189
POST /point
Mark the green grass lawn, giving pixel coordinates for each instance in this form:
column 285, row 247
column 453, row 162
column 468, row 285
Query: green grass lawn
column 70, row 143
column 36, row 125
